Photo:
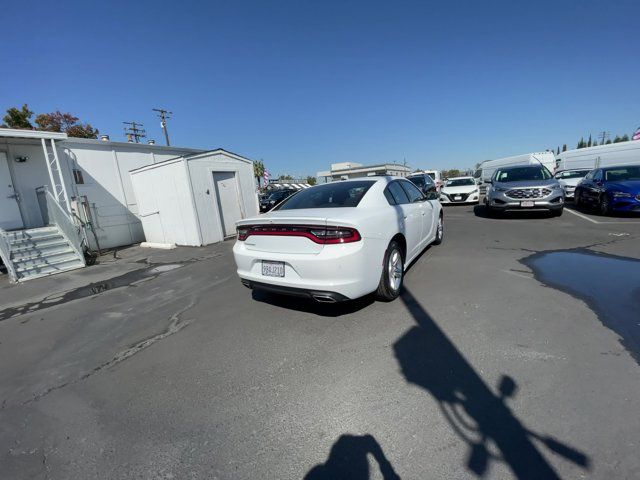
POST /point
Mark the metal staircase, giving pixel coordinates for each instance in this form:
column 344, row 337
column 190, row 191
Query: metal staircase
column 38, row 252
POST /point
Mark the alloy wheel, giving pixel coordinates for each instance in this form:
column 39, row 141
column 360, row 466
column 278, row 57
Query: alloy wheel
column 395, row 270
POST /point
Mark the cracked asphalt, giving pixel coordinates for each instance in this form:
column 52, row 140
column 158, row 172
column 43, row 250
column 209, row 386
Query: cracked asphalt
column 494, row 363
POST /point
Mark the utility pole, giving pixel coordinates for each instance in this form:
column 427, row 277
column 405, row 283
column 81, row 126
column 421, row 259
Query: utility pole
column 134, row 132
column 164, row 115
column 603, row 136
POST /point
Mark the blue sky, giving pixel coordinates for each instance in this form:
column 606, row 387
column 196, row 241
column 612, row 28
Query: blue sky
column 301, row 84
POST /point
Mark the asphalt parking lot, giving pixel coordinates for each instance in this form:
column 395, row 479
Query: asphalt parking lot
column 512, row 353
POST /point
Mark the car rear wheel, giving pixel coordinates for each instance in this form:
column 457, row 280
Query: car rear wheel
column 605, row 205
column 439, row 231
column 392, row 273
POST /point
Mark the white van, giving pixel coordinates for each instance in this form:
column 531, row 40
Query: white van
column 623, row 153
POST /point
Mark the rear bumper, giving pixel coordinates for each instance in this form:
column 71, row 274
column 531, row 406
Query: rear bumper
column 317, row 295
column 349, row 270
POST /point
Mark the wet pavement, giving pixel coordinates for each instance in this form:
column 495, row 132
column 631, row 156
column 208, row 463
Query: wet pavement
column 609, row 284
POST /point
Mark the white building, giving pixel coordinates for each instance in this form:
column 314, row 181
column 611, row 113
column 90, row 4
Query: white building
column 195, row 199
column 60, row 195
column 347, row 170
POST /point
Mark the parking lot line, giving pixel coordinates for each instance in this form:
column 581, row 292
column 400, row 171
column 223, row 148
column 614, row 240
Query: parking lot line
column 581, row 215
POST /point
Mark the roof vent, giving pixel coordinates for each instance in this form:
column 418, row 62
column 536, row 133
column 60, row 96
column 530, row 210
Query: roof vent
column 104, row 138
column 151, row 142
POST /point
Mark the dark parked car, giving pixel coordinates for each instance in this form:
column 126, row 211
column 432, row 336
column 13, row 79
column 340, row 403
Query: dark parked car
column 611, row 189
column 425, row 183
column 274, row 198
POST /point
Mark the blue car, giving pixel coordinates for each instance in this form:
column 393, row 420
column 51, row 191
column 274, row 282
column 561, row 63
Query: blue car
column 611, row 189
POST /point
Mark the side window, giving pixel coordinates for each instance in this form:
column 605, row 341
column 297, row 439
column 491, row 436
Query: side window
column 589, row 176
column 598, row 176
column 412, row 191
column 398, row 193
column 389, row 197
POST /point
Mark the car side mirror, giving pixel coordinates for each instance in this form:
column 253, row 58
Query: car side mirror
column 489, row 181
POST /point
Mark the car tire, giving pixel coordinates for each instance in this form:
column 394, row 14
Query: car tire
column 439, row 231
column 392, row 273
column 558, row 212
column 577, row 202
column 492, row 212
column 604, row 205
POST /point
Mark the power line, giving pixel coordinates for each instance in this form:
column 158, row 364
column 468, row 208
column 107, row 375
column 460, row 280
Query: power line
column 603, row 136
column 164, row 116
column 134, row 133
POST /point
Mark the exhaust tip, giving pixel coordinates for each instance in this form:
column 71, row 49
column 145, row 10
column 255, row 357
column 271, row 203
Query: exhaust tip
column 324, row 299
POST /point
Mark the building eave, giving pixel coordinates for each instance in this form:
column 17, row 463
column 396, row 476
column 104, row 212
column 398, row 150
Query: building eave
column 33, row 134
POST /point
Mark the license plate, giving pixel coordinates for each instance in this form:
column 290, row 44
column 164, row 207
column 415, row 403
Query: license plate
column 272, row 269
column 458, row 197
column 528, row 203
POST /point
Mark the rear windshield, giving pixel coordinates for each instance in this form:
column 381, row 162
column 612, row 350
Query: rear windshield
column 522, row 174
column 330, row 195
column 460, row 182
column 417, row 180
column 622, row 173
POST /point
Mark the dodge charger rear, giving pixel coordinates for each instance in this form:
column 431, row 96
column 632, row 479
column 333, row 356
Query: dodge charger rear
column 338, row 241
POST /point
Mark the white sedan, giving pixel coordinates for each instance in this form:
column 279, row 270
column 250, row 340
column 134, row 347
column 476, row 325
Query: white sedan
column 339, row 241
column 460, row 190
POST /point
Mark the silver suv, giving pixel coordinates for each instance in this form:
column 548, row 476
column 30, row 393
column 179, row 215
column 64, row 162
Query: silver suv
column 524, row 187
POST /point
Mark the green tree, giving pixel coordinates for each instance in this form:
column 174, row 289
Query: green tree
column 285, row 177
column 625, row 138
column 589, row 143
column 564, row 147
column 595, row 143
column 18, row 118
column 258, row 170
column 581, row 143
column 617, row 139
column 608, row 141
column 311, row 180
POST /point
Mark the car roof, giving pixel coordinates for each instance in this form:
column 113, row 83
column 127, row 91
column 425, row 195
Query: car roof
column 466, row 177
column 522, row 165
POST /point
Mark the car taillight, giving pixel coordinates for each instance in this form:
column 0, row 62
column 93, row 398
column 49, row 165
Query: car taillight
column 318, row 234
column 243, row 233
column 332, row 235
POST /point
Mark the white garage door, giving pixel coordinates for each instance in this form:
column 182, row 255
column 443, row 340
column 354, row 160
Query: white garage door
column 228, row 201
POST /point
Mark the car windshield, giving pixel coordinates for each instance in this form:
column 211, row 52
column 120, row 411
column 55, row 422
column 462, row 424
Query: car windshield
column 432, row 175
column 417, row 180
column 331, row 195
column 460, row 182
column 572, row 174
column 622, row 173
column 522, row 174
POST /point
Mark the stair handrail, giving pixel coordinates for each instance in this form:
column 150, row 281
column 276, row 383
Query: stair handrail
column 58, row 216
column 5, row 254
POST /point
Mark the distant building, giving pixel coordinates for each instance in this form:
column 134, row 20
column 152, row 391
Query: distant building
column 347, row 170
